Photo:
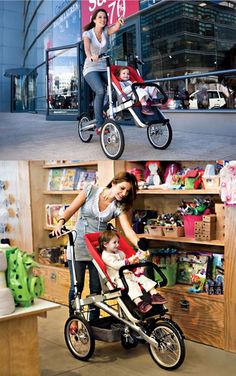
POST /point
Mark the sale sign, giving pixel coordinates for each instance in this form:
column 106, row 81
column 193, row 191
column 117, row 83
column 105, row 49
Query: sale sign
column 114, row 8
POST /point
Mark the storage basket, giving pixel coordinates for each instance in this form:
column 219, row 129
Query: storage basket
column 170, row 271
column 173, row 232
column 189, row 221
column 211, row 182
column 106, row 329
column 154, row 230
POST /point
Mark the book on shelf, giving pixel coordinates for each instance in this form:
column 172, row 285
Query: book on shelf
column 85, row 177
column 55, row 211
column 54, row 179
column 68, row 179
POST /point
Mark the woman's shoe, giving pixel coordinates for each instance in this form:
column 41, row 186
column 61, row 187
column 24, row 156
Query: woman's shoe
column 73, row 329
column 144, row 307
column 147, row 111
column 98, row 131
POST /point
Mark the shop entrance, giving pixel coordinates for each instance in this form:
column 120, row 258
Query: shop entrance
column 62, row 83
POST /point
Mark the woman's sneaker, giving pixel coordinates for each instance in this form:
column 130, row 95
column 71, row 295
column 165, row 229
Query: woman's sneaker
column 144, row 307
column 158, row 299
column 147, row 111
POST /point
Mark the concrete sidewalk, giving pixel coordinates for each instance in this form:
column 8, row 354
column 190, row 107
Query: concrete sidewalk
column 31, row 136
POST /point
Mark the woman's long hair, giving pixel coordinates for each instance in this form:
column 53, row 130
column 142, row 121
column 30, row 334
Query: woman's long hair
column 91, row 24
column 127, row 202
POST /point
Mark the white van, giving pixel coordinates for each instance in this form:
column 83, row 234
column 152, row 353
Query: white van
column 217, row 99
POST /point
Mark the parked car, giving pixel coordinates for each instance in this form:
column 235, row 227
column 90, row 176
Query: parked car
column 216, row 99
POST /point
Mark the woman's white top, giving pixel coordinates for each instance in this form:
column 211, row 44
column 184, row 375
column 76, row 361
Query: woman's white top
column 96, row 48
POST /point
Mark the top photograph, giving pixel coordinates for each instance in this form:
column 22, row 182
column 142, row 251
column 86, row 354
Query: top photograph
column 126, row 79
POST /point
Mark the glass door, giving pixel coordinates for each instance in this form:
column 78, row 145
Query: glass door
column 62, row 82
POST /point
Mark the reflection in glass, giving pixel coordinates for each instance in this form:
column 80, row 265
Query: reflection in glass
column 63, row 81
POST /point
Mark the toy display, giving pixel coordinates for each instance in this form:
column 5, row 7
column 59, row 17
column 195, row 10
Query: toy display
column 7, row 304
column 192, row 269
column 228, row 183
column 20, row 279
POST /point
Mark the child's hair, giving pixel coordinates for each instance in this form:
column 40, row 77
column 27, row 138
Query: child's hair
column 106, row 237
column 119, row 70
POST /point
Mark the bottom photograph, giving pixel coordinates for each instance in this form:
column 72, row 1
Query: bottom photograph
column 117, row 266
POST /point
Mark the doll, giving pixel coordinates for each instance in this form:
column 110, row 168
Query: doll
column 152, row 177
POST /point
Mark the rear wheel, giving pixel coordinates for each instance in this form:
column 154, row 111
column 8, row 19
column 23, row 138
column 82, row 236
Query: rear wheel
column 112, row 139
column 79, row 338
column 169, row 353
column 84, row 134
column 159, row 135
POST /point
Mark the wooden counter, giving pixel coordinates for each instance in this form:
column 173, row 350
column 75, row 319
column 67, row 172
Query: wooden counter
column 19, row 339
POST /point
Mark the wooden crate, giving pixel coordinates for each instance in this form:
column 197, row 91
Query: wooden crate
column 201, row 319
column 173, row 232
column 154, row 230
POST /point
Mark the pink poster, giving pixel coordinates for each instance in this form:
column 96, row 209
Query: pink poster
column 114, row 8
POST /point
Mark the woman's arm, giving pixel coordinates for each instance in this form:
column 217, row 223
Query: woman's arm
column 114, row 28
column 74, row 207
column 129, row 232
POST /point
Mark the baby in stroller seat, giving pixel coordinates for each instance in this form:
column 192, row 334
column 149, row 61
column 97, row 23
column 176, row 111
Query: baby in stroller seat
column 114, row 259
column 144, row 94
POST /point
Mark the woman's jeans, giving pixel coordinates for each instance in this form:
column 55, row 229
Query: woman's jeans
column 98, row 83
column 94, row 284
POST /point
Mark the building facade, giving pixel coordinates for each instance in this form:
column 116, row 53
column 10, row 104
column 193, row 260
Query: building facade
column 43, row 41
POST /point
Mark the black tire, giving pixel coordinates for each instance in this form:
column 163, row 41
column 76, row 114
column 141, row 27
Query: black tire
column 80, row 341
column 170, row 353
column 128, row 342
column 85, row 136
column 112, row 139
column 159, row 135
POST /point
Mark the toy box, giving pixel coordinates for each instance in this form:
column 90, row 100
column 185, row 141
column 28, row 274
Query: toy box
column 190, row 265
column 173, row 232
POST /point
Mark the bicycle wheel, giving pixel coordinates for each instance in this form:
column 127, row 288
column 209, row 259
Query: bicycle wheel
column 159, row 135
column 79, row 337
column 170, row 351
column 85, row 135
column 112, row 139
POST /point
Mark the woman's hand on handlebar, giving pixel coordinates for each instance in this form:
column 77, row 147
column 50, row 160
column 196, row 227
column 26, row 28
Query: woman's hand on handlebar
column 94, row 58
column 57, row 230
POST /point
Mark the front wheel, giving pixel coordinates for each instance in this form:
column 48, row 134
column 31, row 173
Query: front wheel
column 112, row 139
column 84, row 134
column 79, row 338
column 169, row 353
column 159, row 135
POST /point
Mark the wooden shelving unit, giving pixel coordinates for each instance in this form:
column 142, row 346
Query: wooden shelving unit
column 208, row 319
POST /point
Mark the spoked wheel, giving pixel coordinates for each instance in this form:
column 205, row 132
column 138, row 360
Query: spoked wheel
column 170, row 351
column 79, row 338
column 112, row 139
column 159, row 135
column 84, row 134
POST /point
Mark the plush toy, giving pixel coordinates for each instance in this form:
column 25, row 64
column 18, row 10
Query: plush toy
column 151, row 174
column 198, row 283
column 7, row 304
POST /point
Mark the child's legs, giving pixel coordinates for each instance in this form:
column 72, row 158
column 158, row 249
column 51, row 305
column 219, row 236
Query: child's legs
column 134, row 289
column 152, row 91
column 147, row 283
column 142, row 95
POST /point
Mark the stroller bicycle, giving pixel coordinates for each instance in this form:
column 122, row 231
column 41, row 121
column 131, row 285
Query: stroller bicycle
column 159, row 131
column 164, row 338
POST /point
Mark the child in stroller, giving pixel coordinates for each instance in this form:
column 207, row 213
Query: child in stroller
column 144, row 94
column 114, row 259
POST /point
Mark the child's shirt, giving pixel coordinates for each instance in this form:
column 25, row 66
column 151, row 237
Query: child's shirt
column 113, row 262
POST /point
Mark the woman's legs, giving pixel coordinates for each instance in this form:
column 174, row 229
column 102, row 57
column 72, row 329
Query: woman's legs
column 80, row 267
column 98, row 81
column 95, row 288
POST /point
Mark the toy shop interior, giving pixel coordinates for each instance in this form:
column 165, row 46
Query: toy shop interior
column 186, row 212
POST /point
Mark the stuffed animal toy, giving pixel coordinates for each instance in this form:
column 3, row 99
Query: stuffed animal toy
column 7, row 304
column 151, row 174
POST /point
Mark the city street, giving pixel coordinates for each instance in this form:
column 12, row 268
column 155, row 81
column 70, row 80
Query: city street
column 30, row 136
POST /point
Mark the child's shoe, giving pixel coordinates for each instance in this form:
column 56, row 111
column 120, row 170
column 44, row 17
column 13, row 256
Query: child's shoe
column 147, row 110
column 144, row 307
column 158, row 299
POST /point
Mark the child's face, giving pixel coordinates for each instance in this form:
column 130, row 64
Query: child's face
column 124, row 75
column 112, row 245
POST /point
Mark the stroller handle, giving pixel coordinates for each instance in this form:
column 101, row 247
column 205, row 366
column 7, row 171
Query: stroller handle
column 141, row 264
column 64, row 231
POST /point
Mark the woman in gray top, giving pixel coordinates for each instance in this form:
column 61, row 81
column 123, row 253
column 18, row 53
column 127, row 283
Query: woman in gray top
column 97, row 207
column 96, row 37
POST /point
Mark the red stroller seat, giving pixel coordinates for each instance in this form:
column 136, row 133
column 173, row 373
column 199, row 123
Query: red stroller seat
column 91, row 241
column 134, row 76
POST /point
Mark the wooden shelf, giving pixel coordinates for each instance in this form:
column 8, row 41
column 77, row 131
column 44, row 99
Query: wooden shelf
column 183, row 289
column 182, row 240
column 160, row 191
column 61, row 192
column 71, row 164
